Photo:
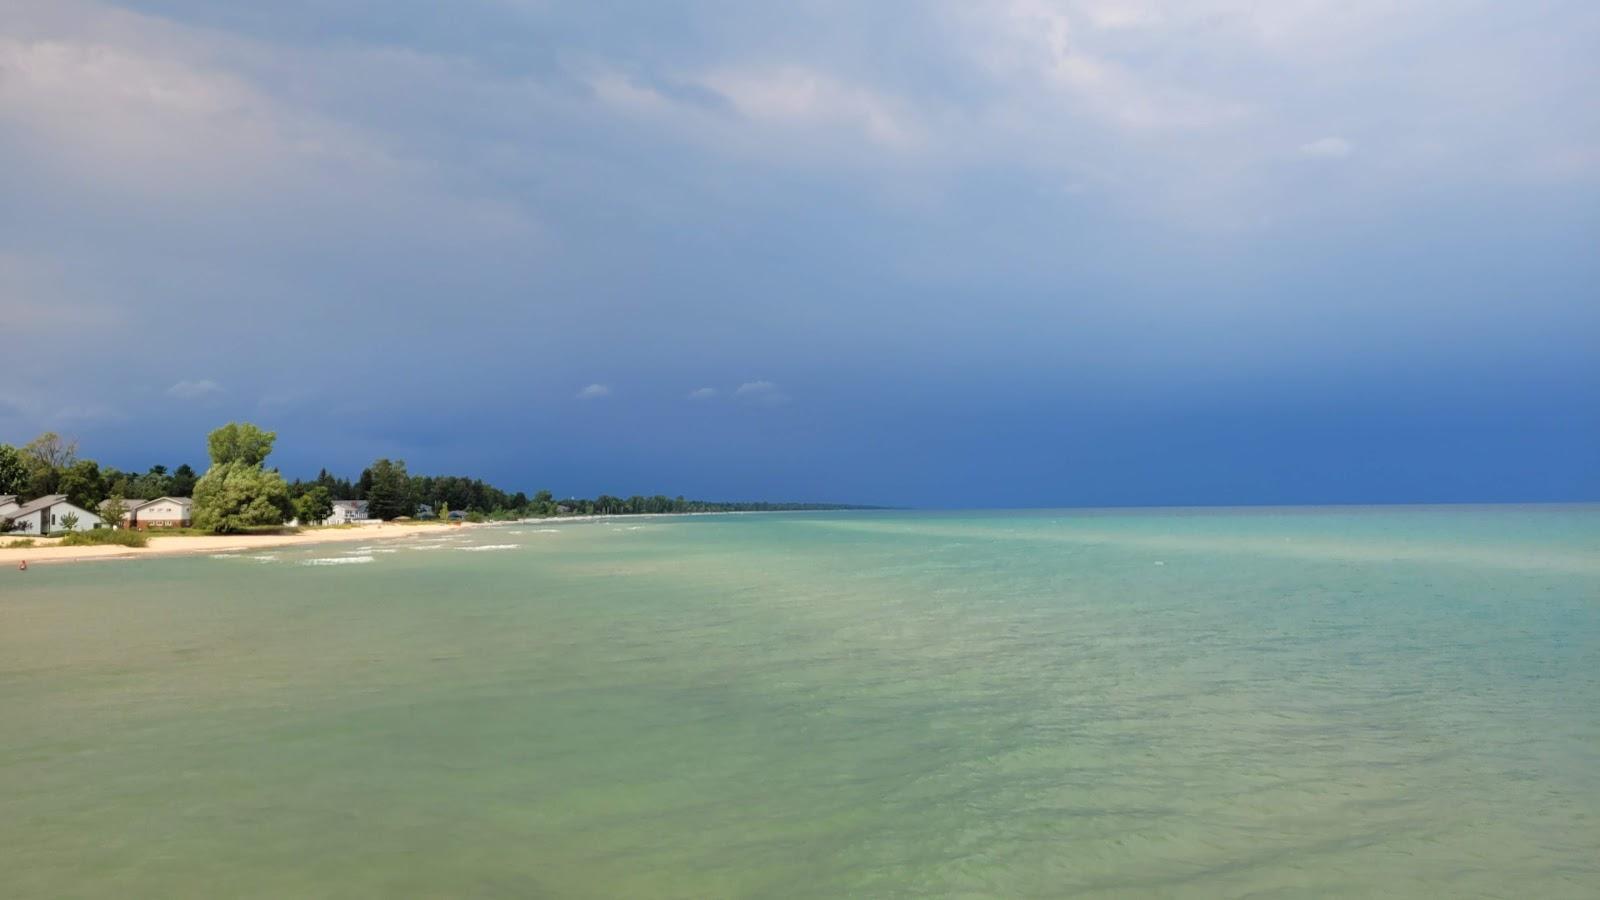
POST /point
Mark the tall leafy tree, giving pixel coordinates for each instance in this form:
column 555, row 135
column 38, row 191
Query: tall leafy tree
column 314, row 506
column 47, row 456
column 235, row 496
column 236, row 492
column 13, row 470
column 82, row 484
column 240, row 442
column 51, row 451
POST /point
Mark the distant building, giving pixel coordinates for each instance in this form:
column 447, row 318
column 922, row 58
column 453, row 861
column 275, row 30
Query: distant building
column 424, row 511
column 457, row 515
column 165, row 512
column 162, row 512
column 347, row 511
column 49, row 515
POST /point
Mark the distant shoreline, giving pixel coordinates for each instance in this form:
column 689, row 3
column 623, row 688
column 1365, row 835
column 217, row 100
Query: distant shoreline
column 48, row 552
column 193, row 544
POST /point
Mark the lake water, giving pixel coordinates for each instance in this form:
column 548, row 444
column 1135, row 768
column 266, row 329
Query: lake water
column 1399, row 702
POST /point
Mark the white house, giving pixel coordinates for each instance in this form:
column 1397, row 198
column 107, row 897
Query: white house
column 50, row 515
column 164, row 512
column 347, row 511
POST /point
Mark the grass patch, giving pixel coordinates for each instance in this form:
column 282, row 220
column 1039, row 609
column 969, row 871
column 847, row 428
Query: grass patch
column 104, row 536
column 18, row 544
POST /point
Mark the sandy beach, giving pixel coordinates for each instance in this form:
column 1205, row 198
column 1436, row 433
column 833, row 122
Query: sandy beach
column 47, row 551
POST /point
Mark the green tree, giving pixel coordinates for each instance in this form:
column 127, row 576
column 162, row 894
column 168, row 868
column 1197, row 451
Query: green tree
column 182, row 483
column 114, row 509
column 314, row 506
column 47, row 456
column 235, row 496
column 82, row 484
column 389, row 496
column 240, row 442
column 236, row 492
column 13, row 470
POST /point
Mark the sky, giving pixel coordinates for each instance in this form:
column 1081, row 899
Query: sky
column 967, row 253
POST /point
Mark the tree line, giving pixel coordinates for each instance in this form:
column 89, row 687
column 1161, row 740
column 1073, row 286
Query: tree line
column 49, row 464
column 238, row 491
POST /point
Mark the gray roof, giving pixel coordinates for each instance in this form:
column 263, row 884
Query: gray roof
column 128, row 504
column 181, row 501
column 44, row 502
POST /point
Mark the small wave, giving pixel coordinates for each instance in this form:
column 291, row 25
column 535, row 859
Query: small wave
column 226, row 555
column 384, row 550
column 483, row 547
column 549, row 531
column 337, row 561
column 265, row 557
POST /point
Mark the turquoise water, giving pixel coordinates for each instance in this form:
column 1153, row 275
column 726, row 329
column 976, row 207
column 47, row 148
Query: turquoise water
column 1397, row 702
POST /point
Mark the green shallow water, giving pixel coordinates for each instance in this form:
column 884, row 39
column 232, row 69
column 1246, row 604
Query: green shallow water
column 1275, row 703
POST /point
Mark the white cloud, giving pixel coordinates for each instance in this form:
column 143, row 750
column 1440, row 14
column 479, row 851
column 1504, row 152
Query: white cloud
column 1327, row 148
column 761, row 393
column 799, row 95
column 705, row 393
column 594, row 392
column 195, row 390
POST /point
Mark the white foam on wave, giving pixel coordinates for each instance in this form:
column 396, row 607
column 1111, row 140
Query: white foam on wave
column 337, row 561
column 225, row 555
column 265, row 557
column 549, row 531
column 483, row 547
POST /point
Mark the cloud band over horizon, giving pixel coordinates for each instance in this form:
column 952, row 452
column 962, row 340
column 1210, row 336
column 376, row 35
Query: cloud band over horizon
column 982, row 253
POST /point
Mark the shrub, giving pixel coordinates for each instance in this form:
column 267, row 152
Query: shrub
column 104, row 536
column 18, row 544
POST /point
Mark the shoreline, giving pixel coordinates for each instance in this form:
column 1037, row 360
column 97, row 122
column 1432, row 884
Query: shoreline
column 203, row 544
column 197, row 544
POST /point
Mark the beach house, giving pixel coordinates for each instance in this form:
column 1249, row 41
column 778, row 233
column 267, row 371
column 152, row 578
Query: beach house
column 347, row 511
column 164, row 512
column 50, row 514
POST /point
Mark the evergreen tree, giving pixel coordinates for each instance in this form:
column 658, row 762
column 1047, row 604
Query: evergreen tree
column 389, row 495
column 182, row 481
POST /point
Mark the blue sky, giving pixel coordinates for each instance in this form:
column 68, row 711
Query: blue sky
column 988, row 252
